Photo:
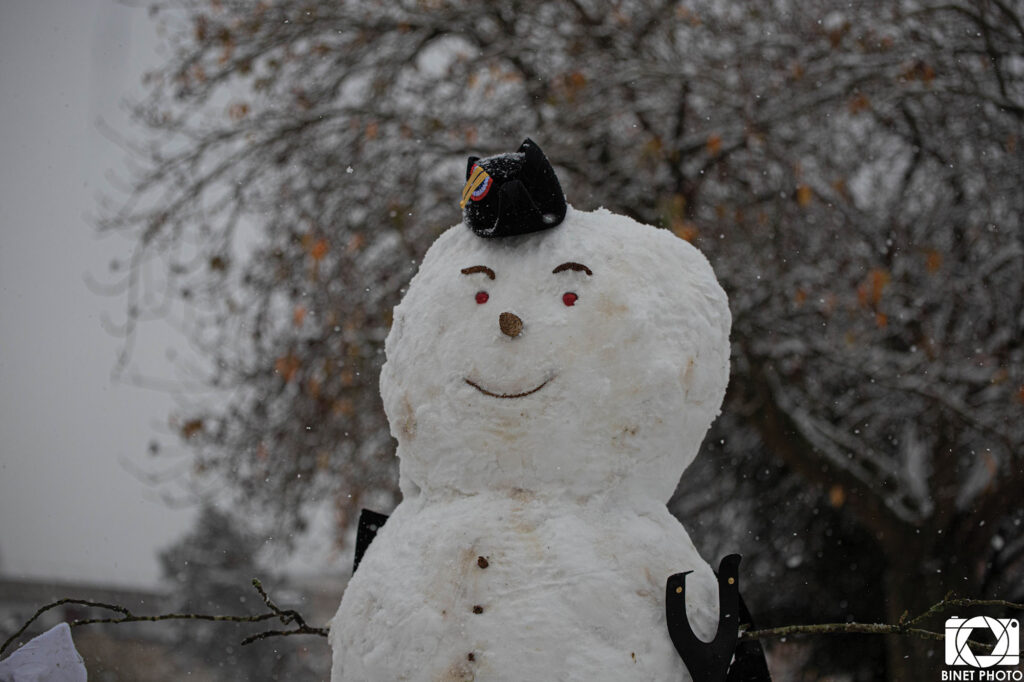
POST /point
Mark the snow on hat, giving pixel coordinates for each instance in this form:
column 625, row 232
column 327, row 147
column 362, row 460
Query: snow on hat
column 512, row 194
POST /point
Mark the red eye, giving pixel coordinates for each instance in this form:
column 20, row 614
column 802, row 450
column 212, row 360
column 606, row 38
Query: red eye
column 481, row 297
column 569, row 298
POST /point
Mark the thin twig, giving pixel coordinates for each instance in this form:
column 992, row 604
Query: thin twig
column 286, row 616
column 842, row 628
column 904, row 627
column 53, row 605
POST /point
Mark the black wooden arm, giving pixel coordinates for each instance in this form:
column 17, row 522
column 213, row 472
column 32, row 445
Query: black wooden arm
column 369, row 523
column 706, row 661
column 749, row 663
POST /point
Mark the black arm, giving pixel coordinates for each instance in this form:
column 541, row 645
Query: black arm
column 706, row 661
column 369, row 523
column 749, row 663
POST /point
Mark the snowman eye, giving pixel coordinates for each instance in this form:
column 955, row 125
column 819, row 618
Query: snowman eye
column 482, row 296
column 569, row 298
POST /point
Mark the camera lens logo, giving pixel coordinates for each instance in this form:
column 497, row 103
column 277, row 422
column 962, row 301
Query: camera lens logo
column 1005, row 652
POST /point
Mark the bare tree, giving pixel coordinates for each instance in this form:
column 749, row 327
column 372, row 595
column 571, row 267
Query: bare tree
column 854, row 175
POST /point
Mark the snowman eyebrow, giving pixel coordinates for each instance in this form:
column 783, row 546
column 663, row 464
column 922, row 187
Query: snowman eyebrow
column 478, row 268
column 580, row 267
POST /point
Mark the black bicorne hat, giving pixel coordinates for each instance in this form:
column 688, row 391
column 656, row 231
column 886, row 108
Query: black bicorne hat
column 512, row 194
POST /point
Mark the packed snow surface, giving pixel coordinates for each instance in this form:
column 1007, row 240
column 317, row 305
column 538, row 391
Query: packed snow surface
column 533, row 542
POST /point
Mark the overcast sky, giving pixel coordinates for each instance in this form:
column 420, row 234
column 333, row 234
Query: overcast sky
column 68, row 507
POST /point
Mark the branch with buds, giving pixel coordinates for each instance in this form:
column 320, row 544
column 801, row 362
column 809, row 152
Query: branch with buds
column 906, row 626
column 274, row 612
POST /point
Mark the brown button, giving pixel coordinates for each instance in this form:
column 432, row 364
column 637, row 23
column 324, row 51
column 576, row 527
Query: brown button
column 510, row 324
column 482, row 562
column 478, row 609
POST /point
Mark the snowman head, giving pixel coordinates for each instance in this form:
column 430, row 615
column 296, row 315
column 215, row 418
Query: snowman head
column 586, row 358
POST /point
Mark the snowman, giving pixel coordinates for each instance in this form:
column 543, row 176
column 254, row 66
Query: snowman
column 550, row 375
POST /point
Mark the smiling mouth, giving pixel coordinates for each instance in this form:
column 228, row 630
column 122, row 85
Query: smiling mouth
column 508, row 395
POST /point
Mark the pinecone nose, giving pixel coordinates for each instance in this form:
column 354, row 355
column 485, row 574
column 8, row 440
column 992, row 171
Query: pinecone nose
column 510, row 324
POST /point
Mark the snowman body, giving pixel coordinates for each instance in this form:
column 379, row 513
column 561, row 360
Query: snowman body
column 546, row 391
